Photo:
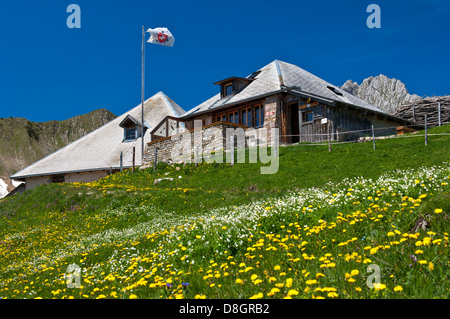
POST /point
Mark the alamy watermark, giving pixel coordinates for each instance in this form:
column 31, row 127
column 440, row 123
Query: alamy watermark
column 375, row 277
column 374, row 19
column 74, row 19
column 73, row 276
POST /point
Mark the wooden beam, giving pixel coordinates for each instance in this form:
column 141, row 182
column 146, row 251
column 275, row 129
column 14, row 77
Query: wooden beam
column 304, row 106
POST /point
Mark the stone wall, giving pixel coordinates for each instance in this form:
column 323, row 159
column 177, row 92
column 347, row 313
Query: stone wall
column 184, row 147
column 272, row 117
column 79, row 177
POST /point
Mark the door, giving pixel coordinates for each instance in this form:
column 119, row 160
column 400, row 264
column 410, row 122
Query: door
column 295, row 125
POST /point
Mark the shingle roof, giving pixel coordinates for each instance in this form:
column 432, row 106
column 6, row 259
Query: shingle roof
column 101, row 148
column 280, row 76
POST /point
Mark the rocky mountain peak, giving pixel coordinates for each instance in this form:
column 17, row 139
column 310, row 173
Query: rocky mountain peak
column 381, row 91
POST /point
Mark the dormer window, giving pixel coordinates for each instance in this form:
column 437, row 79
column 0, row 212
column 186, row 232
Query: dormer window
column 130, row 133
column 228, row 89
column 232, row 86
column 131, row 128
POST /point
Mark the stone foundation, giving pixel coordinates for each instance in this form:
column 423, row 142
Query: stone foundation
column 204, row 143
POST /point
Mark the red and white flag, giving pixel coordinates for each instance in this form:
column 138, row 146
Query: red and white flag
column 161, row 36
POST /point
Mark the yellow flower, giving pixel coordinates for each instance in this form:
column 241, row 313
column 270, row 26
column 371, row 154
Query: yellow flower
column 133, row 296
column 358, row 289
column 292, row 292
column 272, row 279
column 239, row 281
column 422, row 262
column 258, row 296
column 438, row 210
column 200, row 296
column 351, row 280
column 289, row 282
column 274, row 290
column 311, row 282
column 354, row 272
column 277, row 267
column 398, row 288
column 430, row 266
column 332, row 295
column 379, row 286
column 319, row 274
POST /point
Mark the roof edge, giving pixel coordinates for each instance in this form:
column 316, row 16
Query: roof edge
column 70, row 172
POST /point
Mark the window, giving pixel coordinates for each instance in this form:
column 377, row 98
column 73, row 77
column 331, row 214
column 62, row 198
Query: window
column 58, row 179
column 334, row 90
column 222, row 118
column 259, row 116
column 233, row 117
column 130, row 133
column 247, row 117
column 228, row 89
column 307, row 117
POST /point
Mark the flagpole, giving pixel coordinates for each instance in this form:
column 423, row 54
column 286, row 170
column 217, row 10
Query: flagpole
column 142, row 97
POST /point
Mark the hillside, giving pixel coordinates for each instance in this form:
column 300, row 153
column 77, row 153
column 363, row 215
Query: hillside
column 24, row 142
column 383, row 92
column 218, row 231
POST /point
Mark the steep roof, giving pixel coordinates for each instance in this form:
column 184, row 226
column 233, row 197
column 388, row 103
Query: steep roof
column 101, row 148
column 280, row 76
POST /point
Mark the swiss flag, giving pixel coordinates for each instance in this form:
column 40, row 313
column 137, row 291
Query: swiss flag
column 161, row 36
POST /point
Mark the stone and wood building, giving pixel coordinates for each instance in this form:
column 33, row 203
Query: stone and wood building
column 280, row 95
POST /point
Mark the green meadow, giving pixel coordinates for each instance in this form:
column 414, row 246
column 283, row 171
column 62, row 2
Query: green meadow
column 350, row 223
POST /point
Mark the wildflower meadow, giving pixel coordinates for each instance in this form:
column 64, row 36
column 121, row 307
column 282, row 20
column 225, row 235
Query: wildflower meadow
column 349, row 239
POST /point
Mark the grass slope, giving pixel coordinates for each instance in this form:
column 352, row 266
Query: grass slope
column 310, row 230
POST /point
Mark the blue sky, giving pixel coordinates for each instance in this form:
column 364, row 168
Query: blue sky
column 51, row 72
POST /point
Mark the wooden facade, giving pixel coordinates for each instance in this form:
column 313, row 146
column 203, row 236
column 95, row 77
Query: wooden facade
column 302, row 120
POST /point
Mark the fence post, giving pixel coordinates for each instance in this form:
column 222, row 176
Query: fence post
column 426, row 131
column 196, row 156
column 439, row 112
column 414, row 112
column 232, row 149
column 134, row 156
column 121, row 162
column 329, row 139
column 373, row 137
column 156, row 159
